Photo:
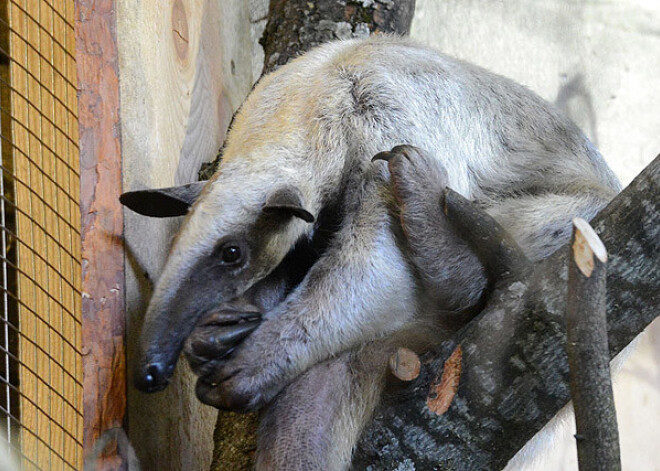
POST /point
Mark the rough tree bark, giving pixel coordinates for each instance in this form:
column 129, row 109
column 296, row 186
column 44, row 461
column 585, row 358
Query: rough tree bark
column 294, row 27
column 505, row 375
column 597, row 434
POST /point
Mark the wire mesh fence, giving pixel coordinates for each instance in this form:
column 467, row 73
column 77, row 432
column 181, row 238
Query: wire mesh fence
column 40, row 260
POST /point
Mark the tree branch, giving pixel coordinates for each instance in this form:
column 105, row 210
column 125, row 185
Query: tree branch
column 588, row 356
column 512, row 368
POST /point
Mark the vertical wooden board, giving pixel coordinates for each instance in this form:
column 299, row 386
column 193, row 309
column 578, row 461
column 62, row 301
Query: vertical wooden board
column 39, row 247
column 47, row 291
column 103, row 280
column 19, row 106
column 178, row 94
column 66, row 148
column 54, row 219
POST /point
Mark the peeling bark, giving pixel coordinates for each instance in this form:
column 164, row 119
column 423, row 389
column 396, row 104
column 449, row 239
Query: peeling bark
column 441, row 393
column 514, row 375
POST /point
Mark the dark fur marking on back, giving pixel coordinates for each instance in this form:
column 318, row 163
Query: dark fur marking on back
column 362, row 101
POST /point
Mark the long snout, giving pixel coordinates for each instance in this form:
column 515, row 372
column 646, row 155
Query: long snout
column 161, row 342
column 168, row 322
column 153, row 377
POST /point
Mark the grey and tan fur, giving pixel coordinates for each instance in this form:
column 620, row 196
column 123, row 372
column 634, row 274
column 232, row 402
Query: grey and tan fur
column 301, row 147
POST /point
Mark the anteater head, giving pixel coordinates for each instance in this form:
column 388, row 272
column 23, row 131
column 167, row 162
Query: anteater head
column 239, row 226
column 283, row 162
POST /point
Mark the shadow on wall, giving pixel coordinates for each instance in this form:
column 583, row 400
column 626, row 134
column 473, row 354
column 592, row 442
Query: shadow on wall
column 574, row 100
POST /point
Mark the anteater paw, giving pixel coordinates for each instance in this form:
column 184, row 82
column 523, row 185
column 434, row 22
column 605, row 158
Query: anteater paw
column 418, row 183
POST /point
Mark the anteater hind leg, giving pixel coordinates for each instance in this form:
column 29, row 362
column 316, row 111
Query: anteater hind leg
column 449, row 270
column 315, row 422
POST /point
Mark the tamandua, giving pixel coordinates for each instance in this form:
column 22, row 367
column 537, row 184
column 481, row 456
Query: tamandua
column 296, row 177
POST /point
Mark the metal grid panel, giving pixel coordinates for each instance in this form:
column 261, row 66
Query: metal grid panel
column 40, row 334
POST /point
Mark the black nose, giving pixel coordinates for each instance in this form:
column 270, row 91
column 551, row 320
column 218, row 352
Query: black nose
column 153, row 377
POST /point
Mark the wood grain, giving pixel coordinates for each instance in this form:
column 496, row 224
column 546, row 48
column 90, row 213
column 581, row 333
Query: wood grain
column 404, row 364
column 178, row 93
column 104, row 360
column 44, row 145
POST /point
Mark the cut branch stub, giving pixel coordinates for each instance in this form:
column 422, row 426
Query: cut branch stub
column 587, row 247
column 588, row 353
column 404, row 364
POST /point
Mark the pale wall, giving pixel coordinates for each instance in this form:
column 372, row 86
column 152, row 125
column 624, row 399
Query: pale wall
column 611, row 48
column 604, row 57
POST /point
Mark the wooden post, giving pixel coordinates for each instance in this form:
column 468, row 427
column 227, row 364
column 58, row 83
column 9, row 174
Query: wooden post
column 588, row 353
column 104, row 359
column 185, row 66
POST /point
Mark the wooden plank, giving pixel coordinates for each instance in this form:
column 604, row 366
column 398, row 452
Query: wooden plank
column 178, row 91
column 27, row 320
column 47, row 227
column 38, row 197
column 102, row 251
column 55, row 220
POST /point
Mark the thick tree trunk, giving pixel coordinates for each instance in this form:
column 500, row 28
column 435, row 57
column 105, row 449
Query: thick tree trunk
column 508, row 373
column 295, row 26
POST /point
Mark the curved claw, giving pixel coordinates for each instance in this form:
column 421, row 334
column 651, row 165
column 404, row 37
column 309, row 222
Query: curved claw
column 497, row 250
column 215, row 342
column 229, row 317
column 207, row 393
column 402, row 149
column 210, row 394
column 385, row 155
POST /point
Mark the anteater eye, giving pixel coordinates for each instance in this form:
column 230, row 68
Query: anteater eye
column 231, row 254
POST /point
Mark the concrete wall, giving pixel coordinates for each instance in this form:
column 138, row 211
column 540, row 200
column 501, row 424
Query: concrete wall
column 599, row 60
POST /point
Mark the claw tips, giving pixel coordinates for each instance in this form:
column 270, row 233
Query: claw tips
column 386, row 156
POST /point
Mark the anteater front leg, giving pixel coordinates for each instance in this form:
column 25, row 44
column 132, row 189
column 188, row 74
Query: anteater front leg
column 360, row 289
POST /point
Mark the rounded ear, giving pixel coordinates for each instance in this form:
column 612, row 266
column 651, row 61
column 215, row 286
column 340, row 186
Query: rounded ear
column 163, row 202
column 287, row 201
